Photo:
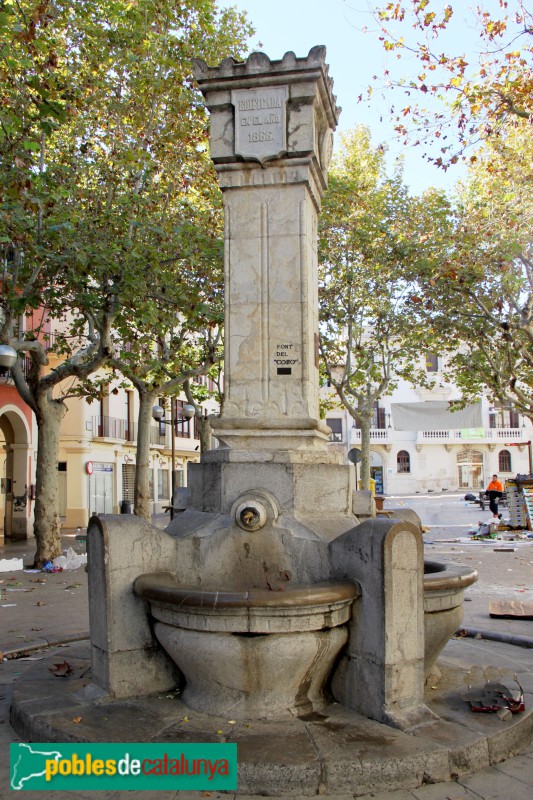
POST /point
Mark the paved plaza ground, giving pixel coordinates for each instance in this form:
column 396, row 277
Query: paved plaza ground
column 47, row 614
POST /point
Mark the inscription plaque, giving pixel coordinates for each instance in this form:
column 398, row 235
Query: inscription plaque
column 284, row 358
column 260, row 122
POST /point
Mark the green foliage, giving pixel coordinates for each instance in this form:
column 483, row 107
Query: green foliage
column 108, row 209
column 479, row 299
column 109, row 220
column 369, row 248
column 369, row 251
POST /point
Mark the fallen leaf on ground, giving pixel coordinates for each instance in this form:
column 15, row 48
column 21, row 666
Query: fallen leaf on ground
column 40, row 603
column 61, row 670
column 76, row 720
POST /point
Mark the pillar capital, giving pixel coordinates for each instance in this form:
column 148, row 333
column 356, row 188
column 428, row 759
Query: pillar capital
column 266, row 111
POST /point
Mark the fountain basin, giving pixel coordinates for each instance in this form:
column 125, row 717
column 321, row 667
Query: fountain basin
column 444, row 585
column 254, row 653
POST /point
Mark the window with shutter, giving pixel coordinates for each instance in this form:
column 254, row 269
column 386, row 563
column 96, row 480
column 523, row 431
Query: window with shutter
column 504, row 461
column 128, row 481
column 403, row 461
column 336, row 429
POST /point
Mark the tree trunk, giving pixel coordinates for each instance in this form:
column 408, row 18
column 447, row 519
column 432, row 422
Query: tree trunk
column 47, row 526
column 365, row 451
column 142, row 502
column 204, row 432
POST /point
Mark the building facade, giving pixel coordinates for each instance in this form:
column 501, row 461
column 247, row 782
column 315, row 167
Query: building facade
column 98, row 454
column 97, row 457
column 416, row 462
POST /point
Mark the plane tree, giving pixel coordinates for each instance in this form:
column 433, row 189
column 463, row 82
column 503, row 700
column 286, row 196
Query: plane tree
column 476, row 105
column 101, row 130
column 451, row 98
column 368, row 246
column 479, row 298
column 198, row 393
column 173, row 333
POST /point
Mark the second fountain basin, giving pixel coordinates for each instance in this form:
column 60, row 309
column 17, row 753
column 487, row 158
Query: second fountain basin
column 444, row 585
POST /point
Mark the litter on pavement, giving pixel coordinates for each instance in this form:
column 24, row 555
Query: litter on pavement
column 71, row 560
column 496, row 698
column 511, row 609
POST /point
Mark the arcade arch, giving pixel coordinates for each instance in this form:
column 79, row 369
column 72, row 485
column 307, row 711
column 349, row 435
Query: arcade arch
column 470, row 469
column 15, row 440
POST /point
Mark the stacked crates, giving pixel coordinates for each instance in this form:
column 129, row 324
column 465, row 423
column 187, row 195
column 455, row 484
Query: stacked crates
column 520, row 501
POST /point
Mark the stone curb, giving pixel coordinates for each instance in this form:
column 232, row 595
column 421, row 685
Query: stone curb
column 39, row 644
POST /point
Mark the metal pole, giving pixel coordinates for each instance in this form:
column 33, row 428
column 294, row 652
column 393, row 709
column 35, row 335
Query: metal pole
column 530, row 458
column 173, row 444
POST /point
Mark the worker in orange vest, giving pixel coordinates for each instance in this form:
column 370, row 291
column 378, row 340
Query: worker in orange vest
column 494, row 491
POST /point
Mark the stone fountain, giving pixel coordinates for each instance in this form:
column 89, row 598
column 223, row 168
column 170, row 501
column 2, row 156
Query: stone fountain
column 277, row 610
column 277, row 585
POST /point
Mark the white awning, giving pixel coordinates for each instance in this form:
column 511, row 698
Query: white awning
column 434, row 415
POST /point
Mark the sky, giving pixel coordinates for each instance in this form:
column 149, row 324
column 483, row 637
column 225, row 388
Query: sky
column 354, row 58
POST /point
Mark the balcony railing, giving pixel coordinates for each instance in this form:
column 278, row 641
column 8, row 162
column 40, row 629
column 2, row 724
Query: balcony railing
column 481, row 435
column 159, row 436
column 376, row 434
column 114, row 428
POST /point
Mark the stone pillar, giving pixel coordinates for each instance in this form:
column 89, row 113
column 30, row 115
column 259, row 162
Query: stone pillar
column 381, row 674
column 125, row 659
column 272, row 126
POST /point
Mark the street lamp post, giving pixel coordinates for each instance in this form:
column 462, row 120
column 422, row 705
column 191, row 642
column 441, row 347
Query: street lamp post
column 158, row 412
